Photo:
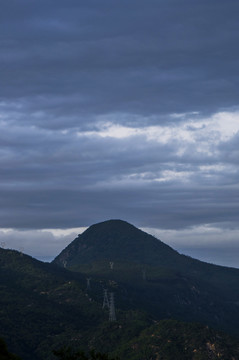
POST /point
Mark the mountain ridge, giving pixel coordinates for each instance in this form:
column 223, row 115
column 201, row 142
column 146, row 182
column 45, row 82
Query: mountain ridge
column 46, row 305
column 114, row 240
column 108, row 231
column 152, row 272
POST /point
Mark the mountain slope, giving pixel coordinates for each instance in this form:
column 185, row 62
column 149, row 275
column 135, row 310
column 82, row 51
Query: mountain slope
column 44, row 306
column 170, row 340
column 116, row 240
column 119, row 241
column 153, row 277
column 4, row 353
column 41, row 305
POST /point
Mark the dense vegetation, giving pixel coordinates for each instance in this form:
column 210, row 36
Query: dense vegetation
column 45, row 306
column 5, row 354
column 171, row 340
column 156, row 278
column 69, row 354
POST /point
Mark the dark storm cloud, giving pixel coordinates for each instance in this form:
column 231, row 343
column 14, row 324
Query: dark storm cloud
column 123, row 109
column 79, row 60
column 173, row 208
column 55, row 180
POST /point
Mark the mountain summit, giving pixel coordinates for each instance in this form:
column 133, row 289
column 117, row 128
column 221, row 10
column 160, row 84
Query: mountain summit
column 149, row 275
column 44, row 306
column 116, row 240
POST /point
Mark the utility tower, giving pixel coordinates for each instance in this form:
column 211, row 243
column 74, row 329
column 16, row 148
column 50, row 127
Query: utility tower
column 64, row 262
column 111, row 265
column 112, row 316
column 106, row 302
column 88, row 284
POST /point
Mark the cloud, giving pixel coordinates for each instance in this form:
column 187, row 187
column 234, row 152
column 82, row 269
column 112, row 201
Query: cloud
column 126, row 110
column 75, row 62
column 170, row 176
column 206, row 243
column 42, row 244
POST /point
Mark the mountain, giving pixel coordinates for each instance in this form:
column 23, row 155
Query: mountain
column 43, row 307
column 46, row 306
column 170, row 340
column 152, row 277
column 116, row 240
column 166, row 340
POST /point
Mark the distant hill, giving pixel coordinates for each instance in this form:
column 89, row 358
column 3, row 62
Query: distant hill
column 156, row 278
column 46, row 306
column 116, row 240
column 43, row 307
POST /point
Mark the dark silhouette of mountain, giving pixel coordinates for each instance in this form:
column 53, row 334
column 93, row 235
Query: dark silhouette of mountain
column 156, row 278
column 45, row 306
column 116, row 240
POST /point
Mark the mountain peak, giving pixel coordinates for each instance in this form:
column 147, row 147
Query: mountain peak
column 115, row 240
column 112, row 226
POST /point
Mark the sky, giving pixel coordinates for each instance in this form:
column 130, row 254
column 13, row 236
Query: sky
column 120, row 110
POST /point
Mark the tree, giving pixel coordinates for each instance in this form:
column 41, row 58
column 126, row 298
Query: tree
column 69, row 354
column 4, row 354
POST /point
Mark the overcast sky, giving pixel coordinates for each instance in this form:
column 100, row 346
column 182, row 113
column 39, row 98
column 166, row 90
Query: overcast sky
column 120, row 109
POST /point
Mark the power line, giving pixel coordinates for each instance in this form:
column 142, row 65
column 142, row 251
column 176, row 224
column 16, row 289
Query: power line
column 106, row 302
column 112, row 316
column 88, row 284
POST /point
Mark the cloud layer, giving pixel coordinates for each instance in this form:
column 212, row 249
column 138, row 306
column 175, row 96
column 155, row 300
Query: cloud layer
column 161, row 176
column 65, row 64
column 119, row 110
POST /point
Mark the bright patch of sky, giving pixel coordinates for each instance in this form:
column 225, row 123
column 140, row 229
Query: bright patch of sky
column 220, row 127
column 193, row 138
column 205, row 242
column 38, row 243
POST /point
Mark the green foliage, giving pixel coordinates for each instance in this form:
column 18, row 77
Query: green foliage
column 69, row 354
column 175, row 285
column 4, row 354
column 170, row 340
column 44, row 306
